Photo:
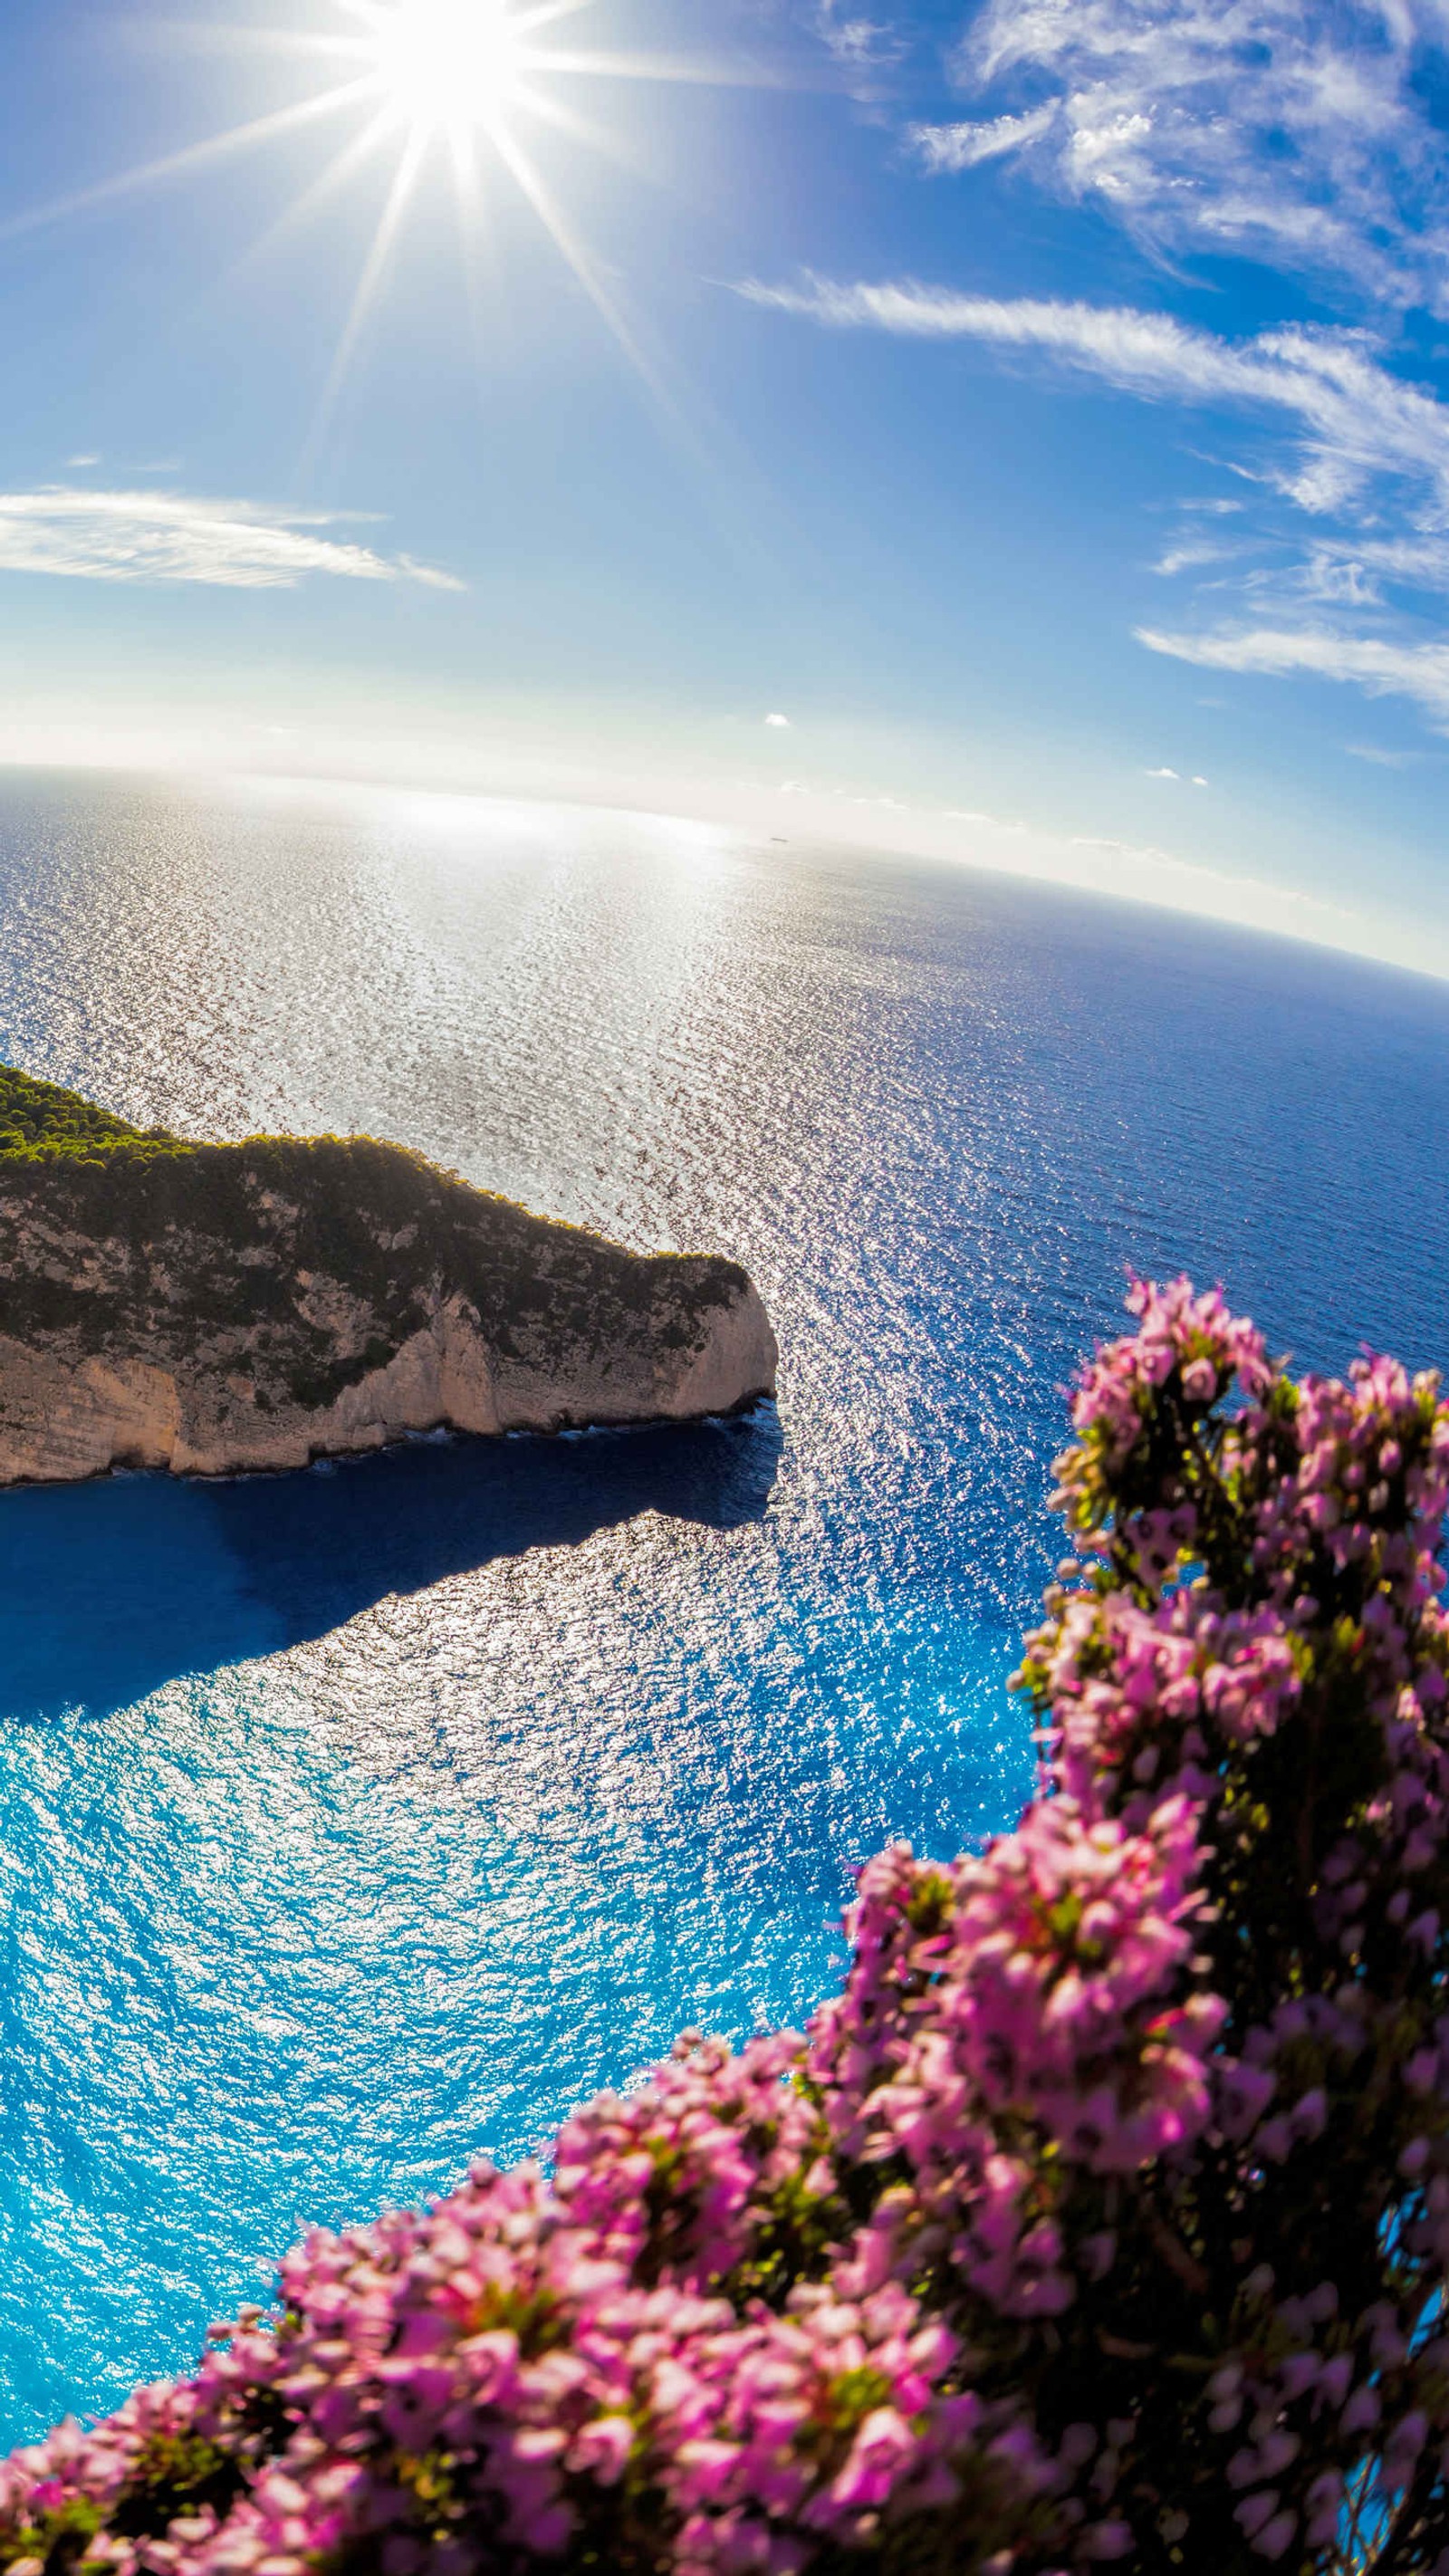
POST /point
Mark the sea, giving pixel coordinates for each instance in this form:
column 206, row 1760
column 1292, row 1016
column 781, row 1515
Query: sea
column 358, row 1821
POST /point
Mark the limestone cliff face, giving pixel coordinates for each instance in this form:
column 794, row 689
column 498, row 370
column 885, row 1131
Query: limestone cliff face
column 217, row 1308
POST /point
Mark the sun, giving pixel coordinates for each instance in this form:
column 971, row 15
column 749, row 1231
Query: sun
column 413, row 86
column 444, row 63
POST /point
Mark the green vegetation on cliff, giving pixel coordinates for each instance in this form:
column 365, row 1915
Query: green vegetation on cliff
column 42, row 1122
column 298, row 1265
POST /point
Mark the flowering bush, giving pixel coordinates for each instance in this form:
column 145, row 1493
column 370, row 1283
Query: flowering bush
column 1102, row 2216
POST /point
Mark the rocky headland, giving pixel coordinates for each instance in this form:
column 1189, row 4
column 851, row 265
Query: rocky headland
column 214, row 1309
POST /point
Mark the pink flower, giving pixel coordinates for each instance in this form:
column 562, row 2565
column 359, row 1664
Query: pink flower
column 1176, row 2047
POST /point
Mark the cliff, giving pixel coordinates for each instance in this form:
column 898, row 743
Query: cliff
column 217, row 1308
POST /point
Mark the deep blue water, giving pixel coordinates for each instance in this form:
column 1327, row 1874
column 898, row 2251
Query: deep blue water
column 353, row 1821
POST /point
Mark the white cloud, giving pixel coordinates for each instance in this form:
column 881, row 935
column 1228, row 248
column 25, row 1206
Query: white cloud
column 1362, row 563
column 838, row 795
column 1363, row 445
column 1309, row 138
column 407, row 568
column 942, row 148
column 1304, row 137
column 1357, row 419
column 1161, row 773
column 863, row 47
column 1199, row 782
column 778, row 720
column 1333, row 578
column 1382, row 666
column 79, row 463
column 1191, row 553
column 167, row 536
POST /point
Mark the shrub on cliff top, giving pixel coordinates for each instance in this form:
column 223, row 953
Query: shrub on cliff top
column 1102, row 2216
column 41, row 1122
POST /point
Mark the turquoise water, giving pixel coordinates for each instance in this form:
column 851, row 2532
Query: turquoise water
column 353, row 1821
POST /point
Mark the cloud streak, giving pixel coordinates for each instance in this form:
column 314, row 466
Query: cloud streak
column 864, row 48
column 1374, row 663
column 1356, row 418
column 943, row 148
column 1357, row 446
column 170, row 537
column 1304, row 137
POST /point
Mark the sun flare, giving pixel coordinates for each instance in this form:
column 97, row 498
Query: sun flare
column 445, row 63
column 465, row 88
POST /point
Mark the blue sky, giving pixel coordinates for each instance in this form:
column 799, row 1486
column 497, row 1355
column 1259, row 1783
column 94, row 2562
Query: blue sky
column 1043, row 408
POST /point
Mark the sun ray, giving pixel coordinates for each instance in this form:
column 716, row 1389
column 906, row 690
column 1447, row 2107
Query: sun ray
column 404, row 181
column 478, row 253
column 369, row 11
column 584, row 267
column 463, row 75
column 654, row 67
column 224, row 37
column 468, row 196
column 555, row 112
column 195, row 156
column 328, row 183
column 545, row 15
column 440, row 82
column 694, row 439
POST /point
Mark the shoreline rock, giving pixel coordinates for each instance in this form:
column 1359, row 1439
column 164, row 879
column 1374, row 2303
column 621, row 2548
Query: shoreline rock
column 224, row 1309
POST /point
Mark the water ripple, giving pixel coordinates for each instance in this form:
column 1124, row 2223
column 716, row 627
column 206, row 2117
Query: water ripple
column 352, row 1821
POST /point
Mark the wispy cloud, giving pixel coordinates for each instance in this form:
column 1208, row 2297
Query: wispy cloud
column 839, row 795
column 170, row 537
column 941, row 148
column 1303, row 136
column 1381, row 666
column 1381, row 757
column 1353, row 447
column 863, row 47
column 1162, row 773
column 1190, row 554
column 1357, row 419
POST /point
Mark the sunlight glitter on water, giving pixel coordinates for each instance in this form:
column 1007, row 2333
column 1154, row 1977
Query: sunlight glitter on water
column 350, row 1822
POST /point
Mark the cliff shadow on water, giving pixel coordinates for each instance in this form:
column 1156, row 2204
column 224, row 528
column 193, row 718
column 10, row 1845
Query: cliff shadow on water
column 109, row 1589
